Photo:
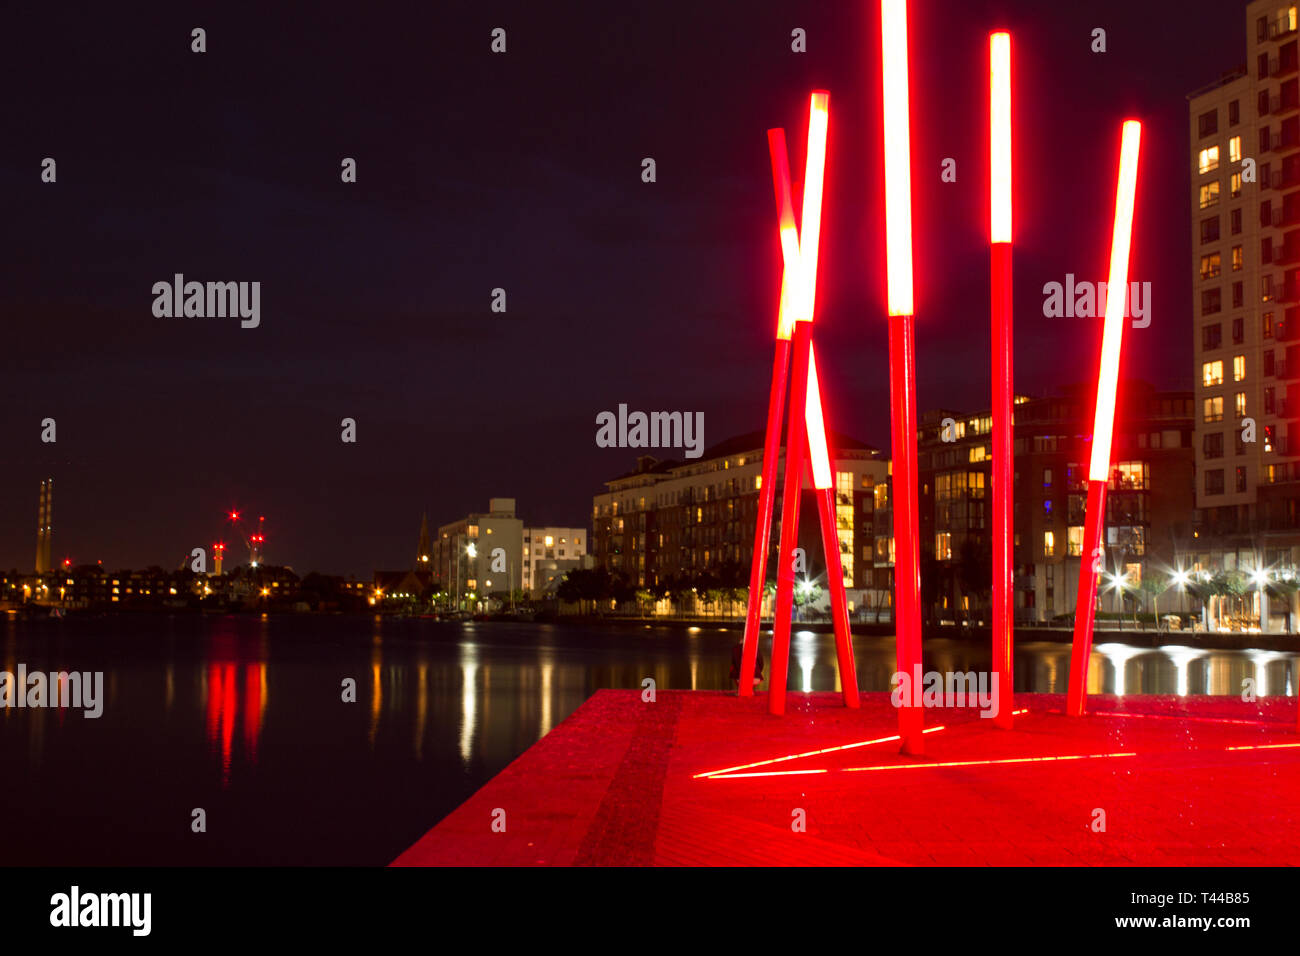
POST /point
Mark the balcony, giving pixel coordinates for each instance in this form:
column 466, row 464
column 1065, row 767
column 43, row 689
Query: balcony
column 1279, row 27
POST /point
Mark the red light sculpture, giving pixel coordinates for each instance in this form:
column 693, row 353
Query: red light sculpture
column 902, row 356
column 806, row 434
column 1104, row 419
column 1003, row 358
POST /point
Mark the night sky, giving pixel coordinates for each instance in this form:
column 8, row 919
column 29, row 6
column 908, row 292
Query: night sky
column 521, row 171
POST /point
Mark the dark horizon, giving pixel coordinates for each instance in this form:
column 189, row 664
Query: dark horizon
column 522, row 171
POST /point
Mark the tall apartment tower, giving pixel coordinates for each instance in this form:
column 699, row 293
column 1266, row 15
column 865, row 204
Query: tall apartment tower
column 1245, row 205
column 44, row 525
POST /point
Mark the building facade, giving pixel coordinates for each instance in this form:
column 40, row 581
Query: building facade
column 1149, row 502
column 1244, row 133
column 480, row 556
column 666, row 520
column 548, row 553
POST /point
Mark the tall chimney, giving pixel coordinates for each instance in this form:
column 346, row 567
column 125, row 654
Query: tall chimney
column 40, row 532
column 49, row 522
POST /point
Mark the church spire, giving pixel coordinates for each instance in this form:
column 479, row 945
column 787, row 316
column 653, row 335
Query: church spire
column 422, row 550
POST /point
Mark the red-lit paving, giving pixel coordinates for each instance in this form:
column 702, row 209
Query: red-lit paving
column 1181, row 780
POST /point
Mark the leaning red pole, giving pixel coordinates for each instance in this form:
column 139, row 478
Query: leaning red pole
column 795, row 441
column 1104, row 417
column 1003, row 377
column 824, row 482
column 902, row 358
column 766, row 501
column 790, row 288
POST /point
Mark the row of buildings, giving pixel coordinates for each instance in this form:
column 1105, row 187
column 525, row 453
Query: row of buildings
column 488, row 559
column 666, row 519
column 1205, row 483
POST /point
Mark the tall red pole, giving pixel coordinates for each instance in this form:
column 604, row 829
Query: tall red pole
column 1085, row 608
column 1104, row 417
column 766, row 502
column 907, row 561
column 1003, row 472
column 795, row 440
column 902, row 357
column 790, row 284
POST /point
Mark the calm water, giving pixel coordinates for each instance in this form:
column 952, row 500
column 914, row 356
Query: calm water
column 243, row 717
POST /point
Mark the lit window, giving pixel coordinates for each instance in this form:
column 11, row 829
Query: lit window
column 1210, row 266
column 1212, row 373
column 1208, row 159
column 943, row 546
column 1234, row 150
column 1213, row 408
column 1239, row 403
column 1209, row 194
column 1074, row 541
column 1049, row 544
column 1238, row 368
column 1237, row 259
column 1235, row 185
column 978, row 453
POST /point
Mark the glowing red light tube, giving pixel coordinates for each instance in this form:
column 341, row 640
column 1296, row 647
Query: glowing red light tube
column 902, row 355
column 1003, row 358
column 823, row 481
column 775, row 408
column 1104, row 419
column 795, row 444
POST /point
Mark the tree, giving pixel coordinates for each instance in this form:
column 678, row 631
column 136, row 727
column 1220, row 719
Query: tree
column 1154, row 585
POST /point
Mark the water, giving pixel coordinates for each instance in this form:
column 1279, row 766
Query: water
column 243, row 717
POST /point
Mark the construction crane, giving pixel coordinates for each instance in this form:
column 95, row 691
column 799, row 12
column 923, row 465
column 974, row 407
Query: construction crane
column 253, row 539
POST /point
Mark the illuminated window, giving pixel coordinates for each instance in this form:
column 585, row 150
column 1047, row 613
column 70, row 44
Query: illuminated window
column 1074, row 541
column 1208, row 159
column 1237, row 259
column 1210, row 266
column 1209, row 194
column 978, row 453
column 1130, row 475
column 1239, row 404
column 943, row 546
column 1212, row 373
column 1234, row 150
column 1049, row 544
column 1234, row 184
column 1238, row 368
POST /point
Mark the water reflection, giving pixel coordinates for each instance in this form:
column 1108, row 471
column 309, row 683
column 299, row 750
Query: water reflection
column 252, row 709
column 225, row 699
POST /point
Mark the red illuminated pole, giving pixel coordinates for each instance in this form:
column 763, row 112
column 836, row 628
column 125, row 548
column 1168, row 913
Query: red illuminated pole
column 902, row 358
column 824, row 482
column 1003, row 376
column 1104, row 418
column 775, row 408
column 796, row 438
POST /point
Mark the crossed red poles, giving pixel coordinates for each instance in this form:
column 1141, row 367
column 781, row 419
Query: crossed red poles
column 806, row 435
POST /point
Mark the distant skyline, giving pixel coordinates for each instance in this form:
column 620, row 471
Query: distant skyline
column 521, row 171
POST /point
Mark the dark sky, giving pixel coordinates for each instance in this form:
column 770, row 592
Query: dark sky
column 520, row 171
